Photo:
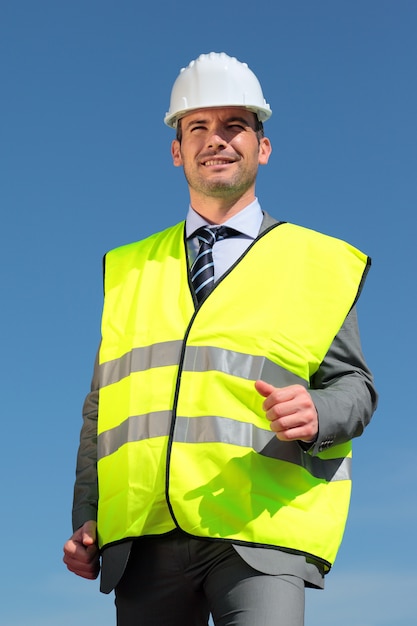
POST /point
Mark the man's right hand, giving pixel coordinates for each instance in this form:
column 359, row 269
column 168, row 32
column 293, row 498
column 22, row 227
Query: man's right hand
column 81, row 554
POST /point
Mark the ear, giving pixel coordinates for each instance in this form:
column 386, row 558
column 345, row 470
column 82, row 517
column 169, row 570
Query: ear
column 176, row 153
column 265, row 149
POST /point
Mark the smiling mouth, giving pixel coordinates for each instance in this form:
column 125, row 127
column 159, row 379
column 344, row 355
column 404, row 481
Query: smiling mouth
column 212, row 162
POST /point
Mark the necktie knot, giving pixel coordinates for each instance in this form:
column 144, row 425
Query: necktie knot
column 210, row 234
column 202, row 270
column 206, row 236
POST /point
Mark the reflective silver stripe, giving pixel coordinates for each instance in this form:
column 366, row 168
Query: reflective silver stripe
column 209, row 429
column 139, row 360
column 205, row 358
column 135, row 428
column 197, row 359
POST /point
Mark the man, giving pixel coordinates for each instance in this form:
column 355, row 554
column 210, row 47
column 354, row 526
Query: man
column 222, row 407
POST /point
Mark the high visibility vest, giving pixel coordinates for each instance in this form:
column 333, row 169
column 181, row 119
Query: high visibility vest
column 183, row 440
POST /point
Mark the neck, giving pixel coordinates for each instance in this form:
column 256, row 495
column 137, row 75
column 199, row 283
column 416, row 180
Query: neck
column 219, row 210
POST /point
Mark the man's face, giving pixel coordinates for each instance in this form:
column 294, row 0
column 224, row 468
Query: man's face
column 220, row 152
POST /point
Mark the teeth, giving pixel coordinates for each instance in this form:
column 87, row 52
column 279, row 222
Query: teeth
column 216, row 162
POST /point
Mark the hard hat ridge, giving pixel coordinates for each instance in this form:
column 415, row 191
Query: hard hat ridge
column 216, row 80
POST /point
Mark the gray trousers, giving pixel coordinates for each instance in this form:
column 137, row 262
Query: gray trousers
column 174, row 580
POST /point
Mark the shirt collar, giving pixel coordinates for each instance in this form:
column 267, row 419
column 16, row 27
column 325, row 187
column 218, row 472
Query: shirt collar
column 248, row 221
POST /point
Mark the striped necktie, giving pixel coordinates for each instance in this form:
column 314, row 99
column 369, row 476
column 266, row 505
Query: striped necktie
column 202, row 270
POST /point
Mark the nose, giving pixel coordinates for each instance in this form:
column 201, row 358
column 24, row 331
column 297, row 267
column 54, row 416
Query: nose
column 217, row 139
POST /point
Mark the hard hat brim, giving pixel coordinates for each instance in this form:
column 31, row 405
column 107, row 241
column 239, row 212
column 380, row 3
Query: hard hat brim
column 171, row 119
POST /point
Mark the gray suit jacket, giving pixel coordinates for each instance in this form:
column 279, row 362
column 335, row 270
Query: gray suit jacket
column 345, row 398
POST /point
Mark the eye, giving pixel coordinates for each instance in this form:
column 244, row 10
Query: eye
column 237, row 126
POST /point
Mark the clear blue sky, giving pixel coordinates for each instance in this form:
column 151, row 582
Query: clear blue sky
column 85, row 166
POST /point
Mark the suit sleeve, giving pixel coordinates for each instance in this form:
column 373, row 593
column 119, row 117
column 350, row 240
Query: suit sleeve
column 85, row 489
column 343, row 389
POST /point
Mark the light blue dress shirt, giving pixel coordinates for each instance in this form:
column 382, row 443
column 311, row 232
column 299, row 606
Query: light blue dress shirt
column 226, row 251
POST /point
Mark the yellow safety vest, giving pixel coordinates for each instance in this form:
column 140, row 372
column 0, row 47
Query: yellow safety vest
column 182, row 436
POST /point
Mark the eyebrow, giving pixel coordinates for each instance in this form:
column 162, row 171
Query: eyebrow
column 228, row 120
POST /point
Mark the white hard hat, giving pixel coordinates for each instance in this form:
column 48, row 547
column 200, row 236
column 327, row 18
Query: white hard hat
column 216, row 80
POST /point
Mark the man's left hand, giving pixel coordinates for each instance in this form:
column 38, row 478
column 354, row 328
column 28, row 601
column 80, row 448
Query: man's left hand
column 290, row 410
